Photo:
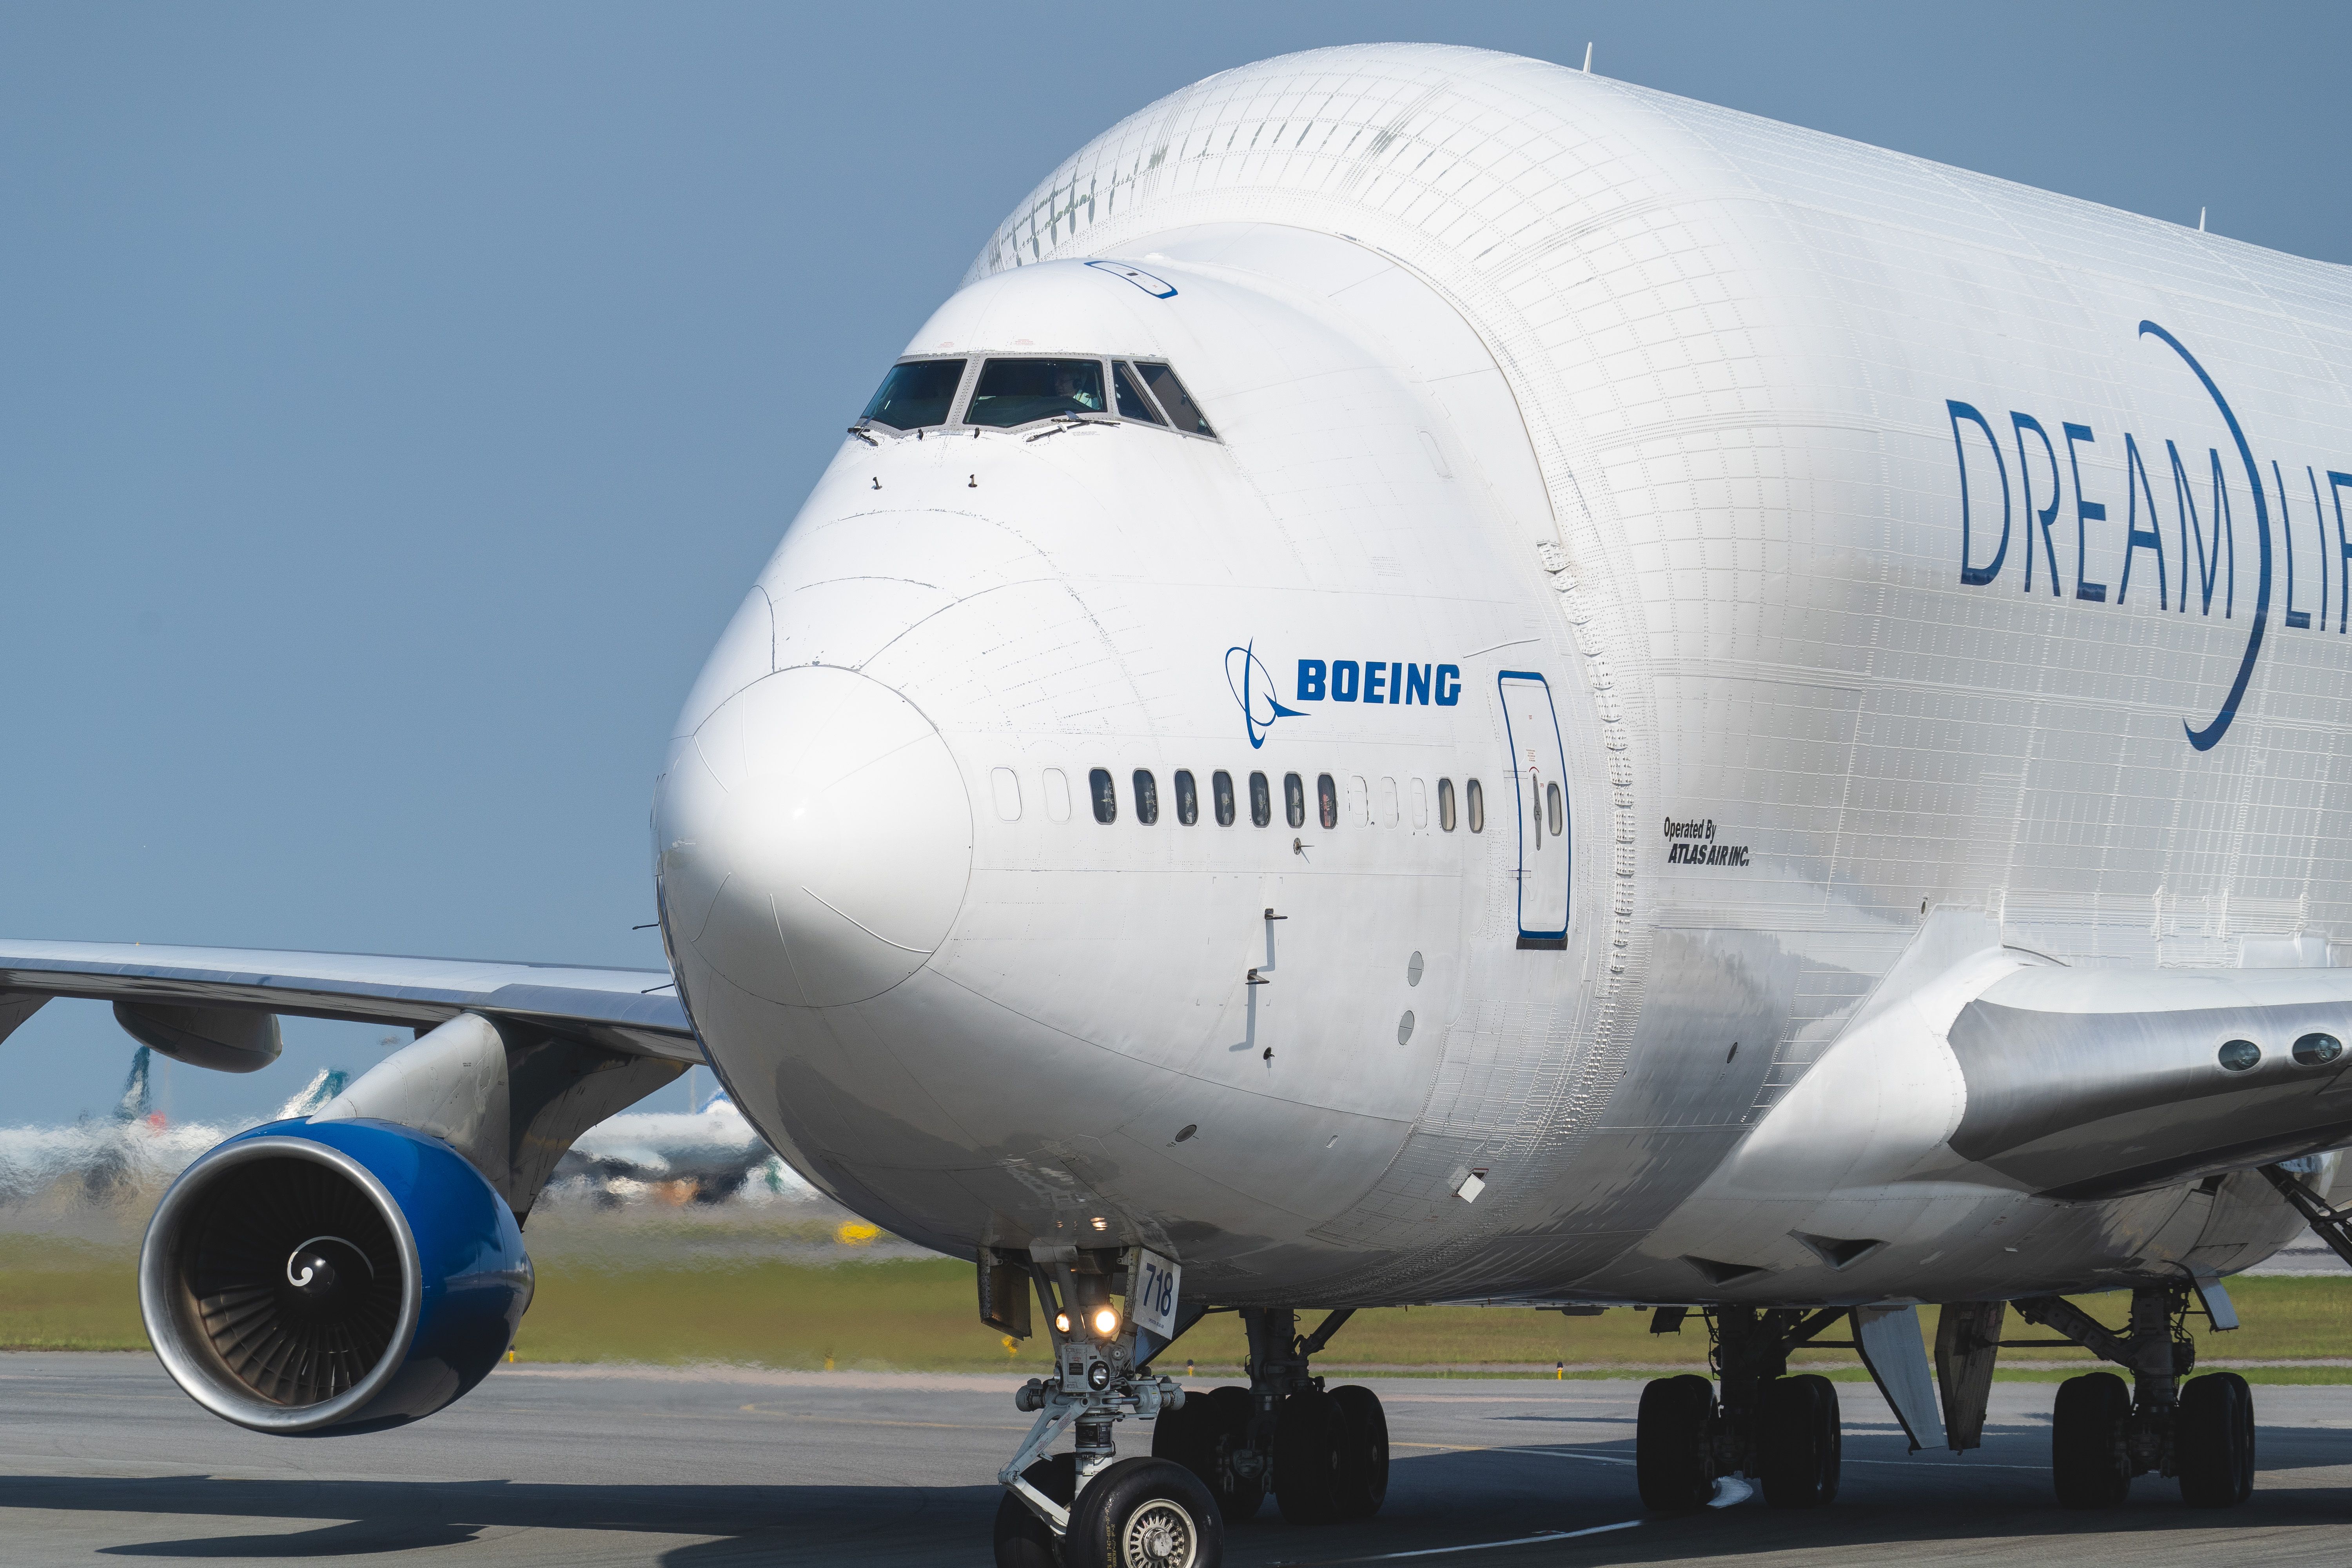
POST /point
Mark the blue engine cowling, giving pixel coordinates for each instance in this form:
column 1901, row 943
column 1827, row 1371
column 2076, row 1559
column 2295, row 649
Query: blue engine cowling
column 308, row 1278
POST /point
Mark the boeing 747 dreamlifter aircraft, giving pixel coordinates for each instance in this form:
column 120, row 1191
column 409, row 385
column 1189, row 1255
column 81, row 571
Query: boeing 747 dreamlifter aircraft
column 1446, row 679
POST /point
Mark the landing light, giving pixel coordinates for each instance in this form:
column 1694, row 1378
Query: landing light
column 1060, row 1323
column 1106, row 1321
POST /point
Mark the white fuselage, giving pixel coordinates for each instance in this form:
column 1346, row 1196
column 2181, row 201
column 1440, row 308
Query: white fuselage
column 1626, row 437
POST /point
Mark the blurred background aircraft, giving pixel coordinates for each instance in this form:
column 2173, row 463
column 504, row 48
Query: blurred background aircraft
column 707, row 1155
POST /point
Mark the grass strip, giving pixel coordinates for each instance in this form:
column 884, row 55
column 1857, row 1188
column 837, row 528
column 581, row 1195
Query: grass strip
column 917, row 1315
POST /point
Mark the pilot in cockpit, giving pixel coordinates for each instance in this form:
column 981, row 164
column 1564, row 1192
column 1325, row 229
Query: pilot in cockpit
column 1078, row 384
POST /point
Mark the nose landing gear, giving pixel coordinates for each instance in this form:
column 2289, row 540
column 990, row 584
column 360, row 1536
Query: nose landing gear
column 1323, row 1453
column 1088, row 1509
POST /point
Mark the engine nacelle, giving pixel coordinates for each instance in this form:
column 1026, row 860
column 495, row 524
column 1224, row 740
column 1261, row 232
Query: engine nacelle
column 306, row 1277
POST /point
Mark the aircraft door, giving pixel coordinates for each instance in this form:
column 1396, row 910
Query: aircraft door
column 1540, row 771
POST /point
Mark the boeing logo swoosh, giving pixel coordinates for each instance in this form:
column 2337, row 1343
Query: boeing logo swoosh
column 2205, row 739
column 1253, row 687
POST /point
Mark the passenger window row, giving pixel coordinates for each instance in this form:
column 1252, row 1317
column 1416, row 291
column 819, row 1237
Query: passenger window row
column 1008, row 390
column 1365, row 808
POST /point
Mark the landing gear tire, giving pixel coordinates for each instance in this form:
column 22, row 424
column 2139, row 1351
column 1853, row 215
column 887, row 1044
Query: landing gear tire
column 2213, row 1440
column 2088, row 1463
column 1187, row 1435
column 1238, row 1495
column 1310, row 1459
column 1673, row 1460
column 1802, row 1441
column 1023, row 1540
column 1145, row 1513
column 1204, row 1437
column 1364, row 1472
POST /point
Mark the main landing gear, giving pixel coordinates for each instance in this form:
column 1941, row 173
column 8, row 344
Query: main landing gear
column 2103, row 1433
column 1783, row 1432
column 1324, row 1454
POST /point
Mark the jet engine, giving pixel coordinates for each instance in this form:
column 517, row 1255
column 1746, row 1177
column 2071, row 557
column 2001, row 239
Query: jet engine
column 314, row 1277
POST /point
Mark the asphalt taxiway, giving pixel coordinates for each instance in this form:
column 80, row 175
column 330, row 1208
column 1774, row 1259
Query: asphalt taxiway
column 102, row 1461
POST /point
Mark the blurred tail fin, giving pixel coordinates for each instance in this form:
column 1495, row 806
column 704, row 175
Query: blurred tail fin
column 327, row 1083
column 135, row 1102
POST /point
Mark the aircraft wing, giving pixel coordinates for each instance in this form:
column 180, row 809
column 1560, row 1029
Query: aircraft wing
column 632, row 1010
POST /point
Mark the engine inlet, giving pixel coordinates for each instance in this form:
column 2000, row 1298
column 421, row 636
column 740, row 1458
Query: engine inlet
column 296, row 1279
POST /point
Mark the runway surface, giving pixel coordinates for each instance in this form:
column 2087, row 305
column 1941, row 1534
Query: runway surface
column 102, row 1461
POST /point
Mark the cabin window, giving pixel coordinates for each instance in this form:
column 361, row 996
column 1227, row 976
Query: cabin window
column 1147, row 798
column 1360, row 802
column 1221, row 794
column 916, row 393
column 1057, row 794
column 1384, row 801
column 1019, row 391
column 2318, row 1051
column 1006, row 785
column 1477, row 804
column 1188, row 799
column 1261, row 802
column 2237, row 1055
column 1327, row 800
column 1132, row 404
column 1420, row 803
column 1552, row 814
column 1106, row 795
column 1182, row 412
column 1445, row 805
column 1293, row 800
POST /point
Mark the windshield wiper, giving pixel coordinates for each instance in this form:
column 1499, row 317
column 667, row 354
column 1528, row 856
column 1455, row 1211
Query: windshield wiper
column 1070, row 422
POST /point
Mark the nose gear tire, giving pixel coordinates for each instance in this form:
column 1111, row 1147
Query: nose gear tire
column 1145, row 1513
column 1803, row 1442
column 2213, row 1440
column 1673, row 1460
column 2088, row 1463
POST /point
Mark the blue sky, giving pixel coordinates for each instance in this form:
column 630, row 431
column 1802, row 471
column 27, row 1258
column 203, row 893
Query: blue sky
column 397, row 400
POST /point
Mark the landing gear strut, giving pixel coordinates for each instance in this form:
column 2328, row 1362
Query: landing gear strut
column 1089, row 1508
column 1323, row 1453
column 1782, row 1431
column 2103, row 1433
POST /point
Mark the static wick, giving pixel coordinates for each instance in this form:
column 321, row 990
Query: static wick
column 2200, row 220
column 1588, row 59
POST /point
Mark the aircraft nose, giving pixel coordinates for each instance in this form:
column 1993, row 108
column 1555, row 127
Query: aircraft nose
column 815, row 839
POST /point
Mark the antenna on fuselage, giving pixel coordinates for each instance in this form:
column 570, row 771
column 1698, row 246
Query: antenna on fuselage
column 1588, row 70
column 2200, row 220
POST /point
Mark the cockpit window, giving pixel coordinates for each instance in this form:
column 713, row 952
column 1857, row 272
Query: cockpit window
column 916, row 393
column 1017, row 391
column 1182, row 412
column 1132, row 404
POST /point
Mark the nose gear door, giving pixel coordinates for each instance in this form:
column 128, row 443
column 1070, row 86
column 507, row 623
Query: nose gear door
column 1540, row 772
